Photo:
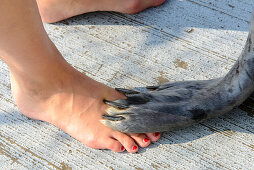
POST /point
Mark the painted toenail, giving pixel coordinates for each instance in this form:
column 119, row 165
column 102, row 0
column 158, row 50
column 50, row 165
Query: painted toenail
column 156, row 134
column 122, row 148
column 146, row 140
column 134, row 147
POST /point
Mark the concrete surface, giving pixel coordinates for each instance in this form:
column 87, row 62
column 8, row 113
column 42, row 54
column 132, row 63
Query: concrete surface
column 181, row 40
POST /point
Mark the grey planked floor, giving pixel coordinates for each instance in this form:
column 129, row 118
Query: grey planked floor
column 181, row 40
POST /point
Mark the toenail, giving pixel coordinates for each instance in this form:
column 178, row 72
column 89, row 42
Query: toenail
column 156, row 134
column 122, row 148
column 134, row 147
column 146, row 140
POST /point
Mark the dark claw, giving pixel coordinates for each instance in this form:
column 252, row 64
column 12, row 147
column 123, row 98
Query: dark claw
column 115, row 104
column 152, row 87
column 126, row 91
column 113, row 118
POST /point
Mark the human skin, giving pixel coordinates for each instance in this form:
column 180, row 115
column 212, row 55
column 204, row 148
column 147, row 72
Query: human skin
column 56, row 10
column 45, row 87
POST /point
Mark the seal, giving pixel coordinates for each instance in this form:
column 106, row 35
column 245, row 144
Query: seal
column 180, row 104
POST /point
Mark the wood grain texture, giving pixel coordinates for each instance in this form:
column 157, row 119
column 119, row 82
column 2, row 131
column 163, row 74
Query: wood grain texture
column 181, row 40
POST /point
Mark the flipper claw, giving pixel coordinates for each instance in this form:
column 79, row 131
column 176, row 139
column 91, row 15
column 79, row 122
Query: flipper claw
column 126, row 91
column 113, row 118
column 115, row 104
column 151, row 88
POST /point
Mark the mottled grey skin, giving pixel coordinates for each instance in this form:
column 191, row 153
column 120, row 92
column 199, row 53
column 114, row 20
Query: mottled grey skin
column 177, row 105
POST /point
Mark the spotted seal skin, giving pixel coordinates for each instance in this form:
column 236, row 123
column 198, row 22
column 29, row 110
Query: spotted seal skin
column 180, row 104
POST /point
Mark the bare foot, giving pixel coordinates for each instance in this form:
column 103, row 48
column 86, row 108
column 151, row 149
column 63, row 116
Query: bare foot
column 56, row 10
column 74, row 103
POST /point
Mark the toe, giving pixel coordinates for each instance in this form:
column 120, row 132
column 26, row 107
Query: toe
column 158, row 2
column 127, row 142
column 141, row 139
column 150, row 3
column 136, row 6
column 106, row 142
column 153, row 136
column 114, row 145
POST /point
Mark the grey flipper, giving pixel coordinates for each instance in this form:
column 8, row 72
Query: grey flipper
column 181, row 104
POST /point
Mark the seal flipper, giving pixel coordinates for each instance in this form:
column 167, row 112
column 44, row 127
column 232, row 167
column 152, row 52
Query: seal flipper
column 157, row 110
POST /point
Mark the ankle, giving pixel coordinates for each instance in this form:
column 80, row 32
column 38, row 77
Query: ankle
column 34, row 93
column 41, row 79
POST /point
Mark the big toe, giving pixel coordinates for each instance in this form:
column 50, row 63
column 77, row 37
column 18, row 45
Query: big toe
column 127, row 142
column 114, row 145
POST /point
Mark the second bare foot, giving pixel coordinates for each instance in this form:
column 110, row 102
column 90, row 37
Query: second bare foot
column 56, row 10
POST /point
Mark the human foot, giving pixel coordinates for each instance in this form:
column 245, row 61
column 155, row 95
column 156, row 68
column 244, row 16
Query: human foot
column 56, row 10
column 74, row 103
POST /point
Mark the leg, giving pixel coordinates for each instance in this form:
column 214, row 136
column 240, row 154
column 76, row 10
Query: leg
column 47, row 88
column 57, row 10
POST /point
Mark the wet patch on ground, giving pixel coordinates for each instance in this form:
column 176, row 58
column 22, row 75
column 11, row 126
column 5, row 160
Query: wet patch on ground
column 181, row 64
